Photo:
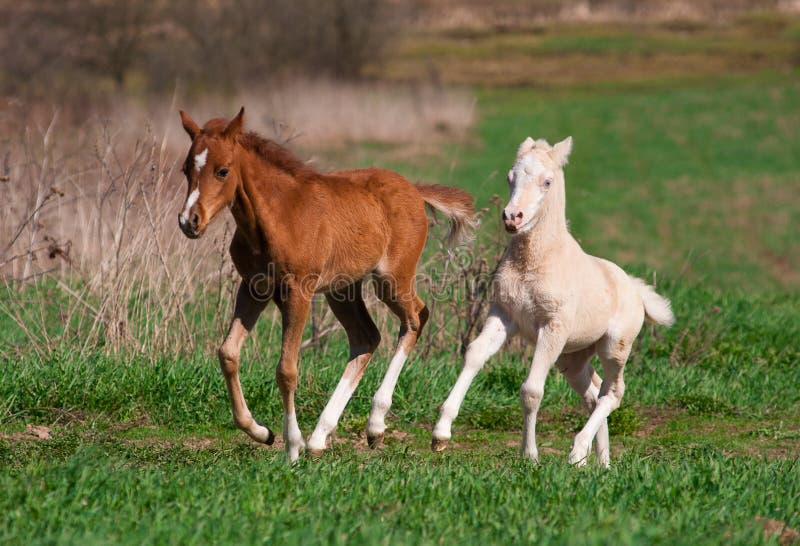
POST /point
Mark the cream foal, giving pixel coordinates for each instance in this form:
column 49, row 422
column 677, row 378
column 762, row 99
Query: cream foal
column 569, row 304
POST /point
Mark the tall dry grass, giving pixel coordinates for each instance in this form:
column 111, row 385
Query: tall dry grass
column 317, row 115
column 325, row 113
column 90, row 253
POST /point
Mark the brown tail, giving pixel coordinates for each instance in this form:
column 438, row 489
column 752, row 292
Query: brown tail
column 456, row 204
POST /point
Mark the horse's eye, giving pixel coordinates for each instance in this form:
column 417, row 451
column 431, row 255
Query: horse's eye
column 547, row 183
column 222, row 173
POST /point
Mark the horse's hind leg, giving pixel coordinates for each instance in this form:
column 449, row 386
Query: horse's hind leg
column 364, row 338
column 584, row 380
column 244, row 319
column 613, row 353
column 400, row 297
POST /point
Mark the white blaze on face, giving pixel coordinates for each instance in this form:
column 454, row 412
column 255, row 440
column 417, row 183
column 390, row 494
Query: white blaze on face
column 200, row 160
column 199, row 163
column 526, row 191
column 193, row 197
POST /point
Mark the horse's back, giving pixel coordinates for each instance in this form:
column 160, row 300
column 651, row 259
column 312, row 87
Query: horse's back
column 400, row 202
column 382, row 207
column 389, row 186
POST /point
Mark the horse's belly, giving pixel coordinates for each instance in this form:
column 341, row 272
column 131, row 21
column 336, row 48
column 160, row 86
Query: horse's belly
column 592, row 315
column 582, row 338
column 351, row 264
column 341, row 281
column 577, row 339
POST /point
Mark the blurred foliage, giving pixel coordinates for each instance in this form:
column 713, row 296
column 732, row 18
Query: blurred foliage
column 54, row 47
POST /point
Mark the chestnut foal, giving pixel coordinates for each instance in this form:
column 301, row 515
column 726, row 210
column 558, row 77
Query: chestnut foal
column 299, row 232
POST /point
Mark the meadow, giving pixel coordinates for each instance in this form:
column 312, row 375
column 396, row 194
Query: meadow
column 691, row 185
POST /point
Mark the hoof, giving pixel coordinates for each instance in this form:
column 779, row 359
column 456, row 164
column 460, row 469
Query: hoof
column 270, row 436
column 438, row 445
column 316, row 453
column 532, row 457
column 375, row 441
column 577, row 461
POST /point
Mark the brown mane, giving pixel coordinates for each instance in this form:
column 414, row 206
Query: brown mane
column 276, row 154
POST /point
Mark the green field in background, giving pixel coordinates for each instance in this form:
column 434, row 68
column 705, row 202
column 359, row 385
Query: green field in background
column 697, row 183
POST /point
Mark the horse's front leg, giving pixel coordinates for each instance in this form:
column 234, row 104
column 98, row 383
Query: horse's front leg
column 294, row 311
column 498, row 328
column 248, row 308
column 550, row 342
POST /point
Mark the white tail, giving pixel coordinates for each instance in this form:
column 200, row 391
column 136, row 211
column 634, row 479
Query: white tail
column 657, row 309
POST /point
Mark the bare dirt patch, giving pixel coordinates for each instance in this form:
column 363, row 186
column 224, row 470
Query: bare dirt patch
column 142, row 421
column 40, row 432
column 774, row 528
column 32, row 433
column 655, row 418
column 198, row 442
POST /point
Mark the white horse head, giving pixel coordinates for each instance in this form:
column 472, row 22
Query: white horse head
column 537, row 169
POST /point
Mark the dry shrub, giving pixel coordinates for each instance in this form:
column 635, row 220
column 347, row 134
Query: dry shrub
column 92, row 259
column 93, row 251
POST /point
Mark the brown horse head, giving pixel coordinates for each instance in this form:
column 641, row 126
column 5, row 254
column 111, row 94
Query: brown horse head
column 211, row 171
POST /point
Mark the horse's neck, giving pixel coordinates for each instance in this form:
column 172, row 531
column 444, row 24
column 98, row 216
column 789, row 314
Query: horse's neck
column 550, row 230
column 244, row 214
column 262, row 185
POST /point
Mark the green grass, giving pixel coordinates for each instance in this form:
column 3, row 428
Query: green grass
column 560, row 55
column 743, row 358
column 111, row 492
column 697, row 183
column 143, row 451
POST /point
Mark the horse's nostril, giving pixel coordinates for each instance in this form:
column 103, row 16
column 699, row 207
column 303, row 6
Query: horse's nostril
column 195, row 220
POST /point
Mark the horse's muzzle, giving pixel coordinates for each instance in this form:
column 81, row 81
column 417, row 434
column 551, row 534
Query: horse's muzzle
column 190, row 227
column 512, row 221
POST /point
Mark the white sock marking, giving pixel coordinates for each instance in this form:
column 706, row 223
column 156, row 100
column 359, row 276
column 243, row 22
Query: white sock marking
column 292, row 437
column 382, row 400
column 330, row 415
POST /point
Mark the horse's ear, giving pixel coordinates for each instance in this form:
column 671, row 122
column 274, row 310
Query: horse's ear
column 188, row 123
column 526, row 146
column 235, row 126
column 562, row 150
